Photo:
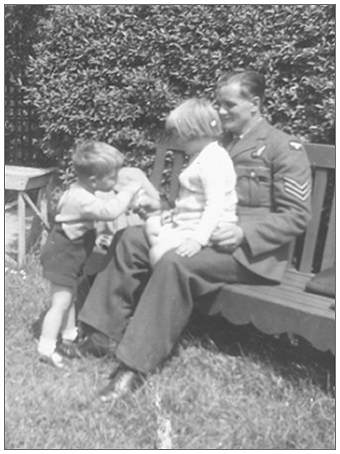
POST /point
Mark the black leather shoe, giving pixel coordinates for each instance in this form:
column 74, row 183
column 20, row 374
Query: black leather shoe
column 97, row 344
column 123, row 382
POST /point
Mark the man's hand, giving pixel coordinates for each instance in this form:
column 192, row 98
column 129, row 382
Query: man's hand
column 188, row 248
column 227, row 237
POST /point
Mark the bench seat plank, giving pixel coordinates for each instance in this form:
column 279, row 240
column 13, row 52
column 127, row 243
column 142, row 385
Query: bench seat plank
column 296, row 278
column 278, row 309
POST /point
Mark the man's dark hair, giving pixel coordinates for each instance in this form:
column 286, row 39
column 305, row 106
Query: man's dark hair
column 251, row 82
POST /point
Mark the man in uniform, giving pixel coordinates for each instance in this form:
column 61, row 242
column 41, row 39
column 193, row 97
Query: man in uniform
column 273, row 186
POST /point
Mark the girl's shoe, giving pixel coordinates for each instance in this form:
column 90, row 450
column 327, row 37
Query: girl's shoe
column 69, row 349
column 54, row 359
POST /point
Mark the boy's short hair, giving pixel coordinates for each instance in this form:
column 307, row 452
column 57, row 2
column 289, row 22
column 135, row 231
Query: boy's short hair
column 193, row 119
column 96, row 158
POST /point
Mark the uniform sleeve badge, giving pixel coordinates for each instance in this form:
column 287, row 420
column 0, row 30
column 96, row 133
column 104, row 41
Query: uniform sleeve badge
column 296, row 189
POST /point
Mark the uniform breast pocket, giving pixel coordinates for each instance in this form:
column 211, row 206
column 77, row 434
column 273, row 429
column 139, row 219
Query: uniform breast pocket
column 253, row 186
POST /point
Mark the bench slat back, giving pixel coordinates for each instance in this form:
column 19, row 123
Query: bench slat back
column 166, row 169
column 315, row 249
column 158, row 167
column 318, row 195
column 328, row 258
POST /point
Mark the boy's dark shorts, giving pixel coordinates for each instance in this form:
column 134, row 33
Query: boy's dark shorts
column 63, row 259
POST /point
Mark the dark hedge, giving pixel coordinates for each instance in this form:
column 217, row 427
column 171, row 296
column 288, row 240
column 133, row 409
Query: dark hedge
column 20, row 35
column 113, row 72
column 20, row 126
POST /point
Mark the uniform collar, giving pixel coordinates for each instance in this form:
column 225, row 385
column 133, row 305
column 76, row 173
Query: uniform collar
column 247, row 131
column 248, row 140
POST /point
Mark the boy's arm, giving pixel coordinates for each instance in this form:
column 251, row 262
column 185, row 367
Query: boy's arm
column 98, row 209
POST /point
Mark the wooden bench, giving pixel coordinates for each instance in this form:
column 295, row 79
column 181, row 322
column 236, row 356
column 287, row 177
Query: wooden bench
column 285, row 308
column 277, row 309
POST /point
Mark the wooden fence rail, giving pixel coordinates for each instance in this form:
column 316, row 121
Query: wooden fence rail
column 21, row 129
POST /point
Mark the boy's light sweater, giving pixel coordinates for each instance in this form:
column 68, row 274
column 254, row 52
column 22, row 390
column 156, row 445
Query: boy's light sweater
column 79, row 209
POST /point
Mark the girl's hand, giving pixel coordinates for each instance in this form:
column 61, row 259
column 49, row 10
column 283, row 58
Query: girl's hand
column 188, row 248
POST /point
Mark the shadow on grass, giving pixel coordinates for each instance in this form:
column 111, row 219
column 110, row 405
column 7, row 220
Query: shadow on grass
column 295, row 359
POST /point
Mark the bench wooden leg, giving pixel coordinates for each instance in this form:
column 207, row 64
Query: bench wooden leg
column 22, row 229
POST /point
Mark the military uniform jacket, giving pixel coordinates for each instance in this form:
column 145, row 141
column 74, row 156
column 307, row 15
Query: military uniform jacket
column 274, row 191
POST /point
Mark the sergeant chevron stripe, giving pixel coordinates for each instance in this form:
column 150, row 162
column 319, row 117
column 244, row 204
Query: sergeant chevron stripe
column 299, row 190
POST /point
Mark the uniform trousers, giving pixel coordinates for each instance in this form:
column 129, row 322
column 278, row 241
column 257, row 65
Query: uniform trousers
column 146, row 310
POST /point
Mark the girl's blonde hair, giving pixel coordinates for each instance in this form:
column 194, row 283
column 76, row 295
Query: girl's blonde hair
column 96, row 158
column 194, row 119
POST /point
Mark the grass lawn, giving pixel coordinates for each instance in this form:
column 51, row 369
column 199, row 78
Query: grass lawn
column 225, row 387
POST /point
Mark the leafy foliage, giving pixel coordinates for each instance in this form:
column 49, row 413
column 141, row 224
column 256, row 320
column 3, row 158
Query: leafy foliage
column 113, row 72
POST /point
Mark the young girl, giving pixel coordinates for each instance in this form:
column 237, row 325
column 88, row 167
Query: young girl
column 72, row 239
column 207, row 193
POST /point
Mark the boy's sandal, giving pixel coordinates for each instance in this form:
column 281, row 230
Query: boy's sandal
column 69, row 349
column 54, row 360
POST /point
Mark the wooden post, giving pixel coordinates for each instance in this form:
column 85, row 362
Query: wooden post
column 22, row 229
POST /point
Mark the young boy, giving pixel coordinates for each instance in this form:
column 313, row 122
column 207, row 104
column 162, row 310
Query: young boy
column 72, row 239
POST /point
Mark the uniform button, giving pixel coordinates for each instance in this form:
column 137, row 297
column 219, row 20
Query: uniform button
column 252, row 174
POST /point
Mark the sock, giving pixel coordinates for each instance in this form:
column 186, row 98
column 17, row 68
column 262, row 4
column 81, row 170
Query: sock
column 70, row 334
column 46, row 346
